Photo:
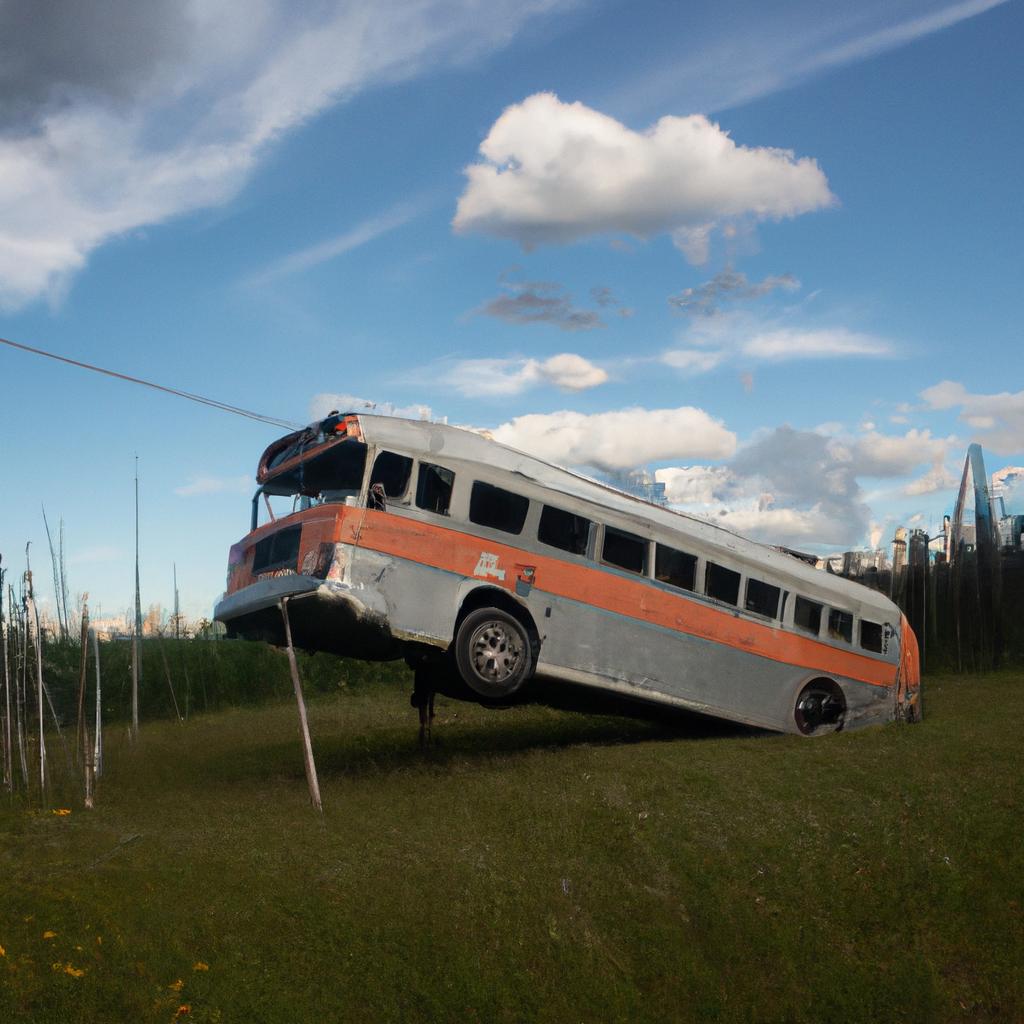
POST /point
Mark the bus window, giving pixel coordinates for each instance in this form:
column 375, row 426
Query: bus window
column 722, row 584
column 434, row 488
column 497, row 508
column 675, row 567
column 871, row 636
column 762, row 598
column 624, row 550
column 559, row 529
column 807, row 615
column 840, row 625
column 392, row 472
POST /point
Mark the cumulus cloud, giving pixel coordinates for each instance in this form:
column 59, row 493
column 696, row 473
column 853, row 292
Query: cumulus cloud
column 479, row 378
column 729, row 286
column 799, row 487
column 621, row 439
column 326, row 402
column 117, row 115
column 999, row 418
column 557, row 172
column 539, row 302
column 887, row 455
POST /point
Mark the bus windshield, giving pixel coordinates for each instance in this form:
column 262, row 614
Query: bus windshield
column 331, row 476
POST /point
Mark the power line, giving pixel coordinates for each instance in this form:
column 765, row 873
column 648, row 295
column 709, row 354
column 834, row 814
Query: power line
column 212, row 402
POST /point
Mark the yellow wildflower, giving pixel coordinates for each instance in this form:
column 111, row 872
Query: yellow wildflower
column 3, row 952
column 62, row 811
column 49, row 935
column 181, row 1011
column 75, row 972
column 177, row 985
column 197, row 966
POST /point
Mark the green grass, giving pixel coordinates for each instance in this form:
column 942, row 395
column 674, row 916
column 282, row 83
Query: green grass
column 536, row 865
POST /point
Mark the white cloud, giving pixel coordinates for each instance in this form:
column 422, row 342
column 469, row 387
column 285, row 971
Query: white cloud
column 829, row 343
column 938, row 478
column 620, row 439
column 999, row 418
column 483, row 377
column 693, row 360
column 326, row 402
column 875, row 454
column 141, row 118
column 557, row 172
column 202, row 485
column 730, row 336
column 694, row 485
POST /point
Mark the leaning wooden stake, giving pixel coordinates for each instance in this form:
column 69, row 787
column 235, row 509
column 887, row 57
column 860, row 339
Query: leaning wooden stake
column 307, row 746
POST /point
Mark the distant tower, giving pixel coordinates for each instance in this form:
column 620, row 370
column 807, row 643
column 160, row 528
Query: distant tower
column 899, row 550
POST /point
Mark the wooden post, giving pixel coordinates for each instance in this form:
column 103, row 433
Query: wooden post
column 97, row 756
column 32, row 619
column 5, row 680
column 307, row 746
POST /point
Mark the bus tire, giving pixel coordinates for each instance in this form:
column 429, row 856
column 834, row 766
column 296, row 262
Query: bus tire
column 493, row 653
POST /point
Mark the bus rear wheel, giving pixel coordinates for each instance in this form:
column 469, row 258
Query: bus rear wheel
column 493, row 653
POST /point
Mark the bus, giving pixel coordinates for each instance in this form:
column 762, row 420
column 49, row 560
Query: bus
column 493, row 573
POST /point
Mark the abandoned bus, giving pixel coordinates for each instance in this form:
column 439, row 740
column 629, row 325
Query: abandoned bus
column 391, row 538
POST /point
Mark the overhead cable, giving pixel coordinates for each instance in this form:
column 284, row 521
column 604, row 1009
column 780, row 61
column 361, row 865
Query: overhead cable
column 202, row 400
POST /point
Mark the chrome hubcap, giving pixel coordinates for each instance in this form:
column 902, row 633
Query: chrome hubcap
column 497, row 652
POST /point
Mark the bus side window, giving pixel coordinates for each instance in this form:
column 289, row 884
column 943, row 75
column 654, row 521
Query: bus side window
column 807, row 615
column 762, row 598
column 871, row 636
column 564, row 530
column 624, row 550
column 392, row 472
column 676, row 568
column 840, row 625
column 497, row 508
column 434, row 488
column 722, row 584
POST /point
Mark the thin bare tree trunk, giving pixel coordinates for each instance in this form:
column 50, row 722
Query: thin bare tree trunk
column 83, row 666
column 307, row 745
column 167, row 673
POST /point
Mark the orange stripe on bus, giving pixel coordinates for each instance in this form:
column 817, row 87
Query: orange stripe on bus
column 446, row 548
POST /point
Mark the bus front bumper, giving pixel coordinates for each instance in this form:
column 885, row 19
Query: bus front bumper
column 324, row 615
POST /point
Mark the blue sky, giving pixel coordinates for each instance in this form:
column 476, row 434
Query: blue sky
column 770, row 252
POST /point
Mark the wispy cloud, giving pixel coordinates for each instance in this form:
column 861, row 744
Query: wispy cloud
column 121, row 115
column 362, row 234
column 777, row 47
column 729, row 286
column 204, row 485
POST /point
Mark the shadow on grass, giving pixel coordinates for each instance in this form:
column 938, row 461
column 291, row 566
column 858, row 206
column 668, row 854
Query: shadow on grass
column 565, row 718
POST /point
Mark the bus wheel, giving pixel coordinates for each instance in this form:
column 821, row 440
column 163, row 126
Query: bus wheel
column 493, row 654
column 820, row 707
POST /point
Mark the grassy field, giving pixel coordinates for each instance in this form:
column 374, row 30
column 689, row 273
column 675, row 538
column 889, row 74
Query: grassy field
column 536, row 865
